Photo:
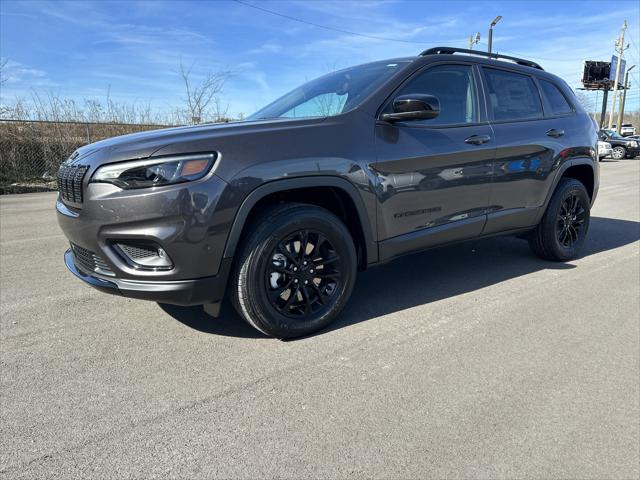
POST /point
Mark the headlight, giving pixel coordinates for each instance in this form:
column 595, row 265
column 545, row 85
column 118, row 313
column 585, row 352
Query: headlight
column 632, row 144
column 155, row 172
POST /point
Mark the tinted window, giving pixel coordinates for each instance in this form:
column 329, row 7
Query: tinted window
column 512, row 96
column 453, row 86
column 555, row 98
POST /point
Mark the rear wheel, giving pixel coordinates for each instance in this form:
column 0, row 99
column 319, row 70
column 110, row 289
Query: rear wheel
column 619, row 152
column 563, row 229
column 295, row 271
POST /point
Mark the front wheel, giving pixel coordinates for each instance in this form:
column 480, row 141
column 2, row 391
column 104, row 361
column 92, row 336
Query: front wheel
column 619, row 153
column 563, row 229
column 295, row 271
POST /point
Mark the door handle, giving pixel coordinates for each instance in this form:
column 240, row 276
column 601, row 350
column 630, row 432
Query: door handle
column 555, row 133
column 478, row 139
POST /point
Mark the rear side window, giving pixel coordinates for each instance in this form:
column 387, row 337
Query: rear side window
column 512, row 96
column 556, row 100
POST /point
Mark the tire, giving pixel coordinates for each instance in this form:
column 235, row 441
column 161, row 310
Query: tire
column 564, row 226
column 272, row 265
column 619, row 153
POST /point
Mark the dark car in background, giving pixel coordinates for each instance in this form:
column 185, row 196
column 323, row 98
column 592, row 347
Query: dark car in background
column 347, row 172
column 623, row 147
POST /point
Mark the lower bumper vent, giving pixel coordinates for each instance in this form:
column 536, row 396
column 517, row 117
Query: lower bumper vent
column 145, row 256
column 89, row 261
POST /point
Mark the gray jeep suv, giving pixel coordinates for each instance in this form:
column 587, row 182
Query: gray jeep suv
column 348, row 171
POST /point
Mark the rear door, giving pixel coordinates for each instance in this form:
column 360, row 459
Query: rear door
column 435, row 175
column 531, row 130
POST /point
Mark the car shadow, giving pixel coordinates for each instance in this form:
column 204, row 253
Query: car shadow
column 228, row 324
column 426, row 277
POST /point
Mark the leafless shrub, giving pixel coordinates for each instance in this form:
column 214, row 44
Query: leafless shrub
column 202, row 99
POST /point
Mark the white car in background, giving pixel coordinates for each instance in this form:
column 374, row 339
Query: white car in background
column 604, row 149
column 626, row 130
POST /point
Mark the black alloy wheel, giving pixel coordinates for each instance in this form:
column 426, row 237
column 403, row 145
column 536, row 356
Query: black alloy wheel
column 303, row 274
column 295, row 271
column 563, row 229
column 571, row 218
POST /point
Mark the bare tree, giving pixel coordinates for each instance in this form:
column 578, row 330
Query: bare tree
column 203, row 97
column 585, row 101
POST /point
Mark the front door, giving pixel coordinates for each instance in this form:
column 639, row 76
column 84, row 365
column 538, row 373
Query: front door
column 434, row 175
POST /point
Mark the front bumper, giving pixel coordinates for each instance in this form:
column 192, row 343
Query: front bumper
column 605, row 152
column 183, row 220
column 182, row 292
column 633, row 152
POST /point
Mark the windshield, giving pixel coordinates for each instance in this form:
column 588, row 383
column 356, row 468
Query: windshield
column 613, row 134
column 331, row 94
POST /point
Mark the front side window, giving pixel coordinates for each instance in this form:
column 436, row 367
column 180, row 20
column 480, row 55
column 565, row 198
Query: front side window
column 556, row 100
column 454, row 87
column 333, row 94
column 512, row 96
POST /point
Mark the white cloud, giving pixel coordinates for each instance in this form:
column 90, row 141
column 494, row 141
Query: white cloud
column 266, row 48
column 17, row 73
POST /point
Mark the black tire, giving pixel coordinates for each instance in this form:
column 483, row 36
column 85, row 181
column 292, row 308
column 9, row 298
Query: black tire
column 263, row 277
column 564, row 226
column 619, row 152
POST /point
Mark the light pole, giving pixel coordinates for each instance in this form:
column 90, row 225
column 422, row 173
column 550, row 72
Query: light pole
column 623, row 98
column 493, row 24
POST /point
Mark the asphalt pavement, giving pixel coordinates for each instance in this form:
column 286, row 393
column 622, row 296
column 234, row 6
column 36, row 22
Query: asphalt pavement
column 472, row 361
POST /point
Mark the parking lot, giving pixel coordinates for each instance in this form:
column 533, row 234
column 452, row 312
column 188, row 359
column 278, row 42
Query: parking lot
column 477, row 360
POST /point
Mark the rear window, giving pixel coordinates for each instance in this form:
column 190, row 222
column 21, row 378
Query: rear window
column 556, row 100
column 512, row 96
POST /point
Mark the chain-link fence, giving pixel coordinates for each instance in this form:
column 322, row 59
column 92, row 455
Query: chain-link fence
column 32, row 151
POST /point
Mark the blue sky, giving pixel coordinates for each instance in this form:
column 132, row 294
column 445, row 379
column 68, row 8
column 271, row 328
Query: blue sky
column 82, row 49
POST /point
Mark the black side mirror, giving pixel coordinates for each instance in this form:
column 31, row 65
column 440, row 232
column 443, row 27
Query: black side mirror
column 417, row 106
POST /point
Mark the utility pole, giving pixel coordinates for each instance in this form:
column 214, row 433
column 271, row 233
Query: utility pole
column 473, row 39
column 623, row 98
column 620, row 48
column 493, row 24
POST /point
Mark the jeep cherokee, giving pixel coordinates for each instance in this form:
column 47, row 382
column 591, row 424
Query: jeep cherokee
column 345, row 172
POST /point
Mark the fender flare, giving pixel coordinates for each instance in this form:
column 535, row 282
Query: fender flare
column 560, row 172
column 371, row 246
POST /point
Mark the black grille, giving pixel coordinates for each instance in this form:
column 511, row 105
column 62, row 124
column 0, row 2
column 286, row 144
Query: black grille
column 89, row 261
column 70, row 182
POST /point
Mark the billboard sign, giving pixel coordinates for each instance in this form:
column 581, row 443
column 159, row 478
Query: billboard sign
column 595, row 75
column 614, row 66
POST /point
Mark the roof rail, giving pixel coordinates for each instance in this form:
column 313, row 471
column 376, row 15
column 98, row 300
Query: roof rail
column 451, row 50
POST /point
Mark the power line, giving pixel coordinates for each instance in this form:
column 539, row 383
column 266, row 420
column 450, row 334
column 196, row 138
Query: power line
column 387, row 39
column 333, row 29
column 633, row 44
column 549, row 59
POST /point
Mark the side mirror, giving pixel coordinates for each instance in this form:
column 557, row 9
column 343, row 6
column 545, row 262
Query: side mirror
column 417, row 106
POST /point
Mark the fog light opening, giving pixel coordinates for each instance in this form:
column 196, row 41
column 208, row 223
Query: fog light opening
column 145, row 256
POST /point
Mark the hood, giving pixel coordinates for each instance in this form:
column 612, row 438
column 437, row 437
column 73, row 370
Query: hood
column 191, row 138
